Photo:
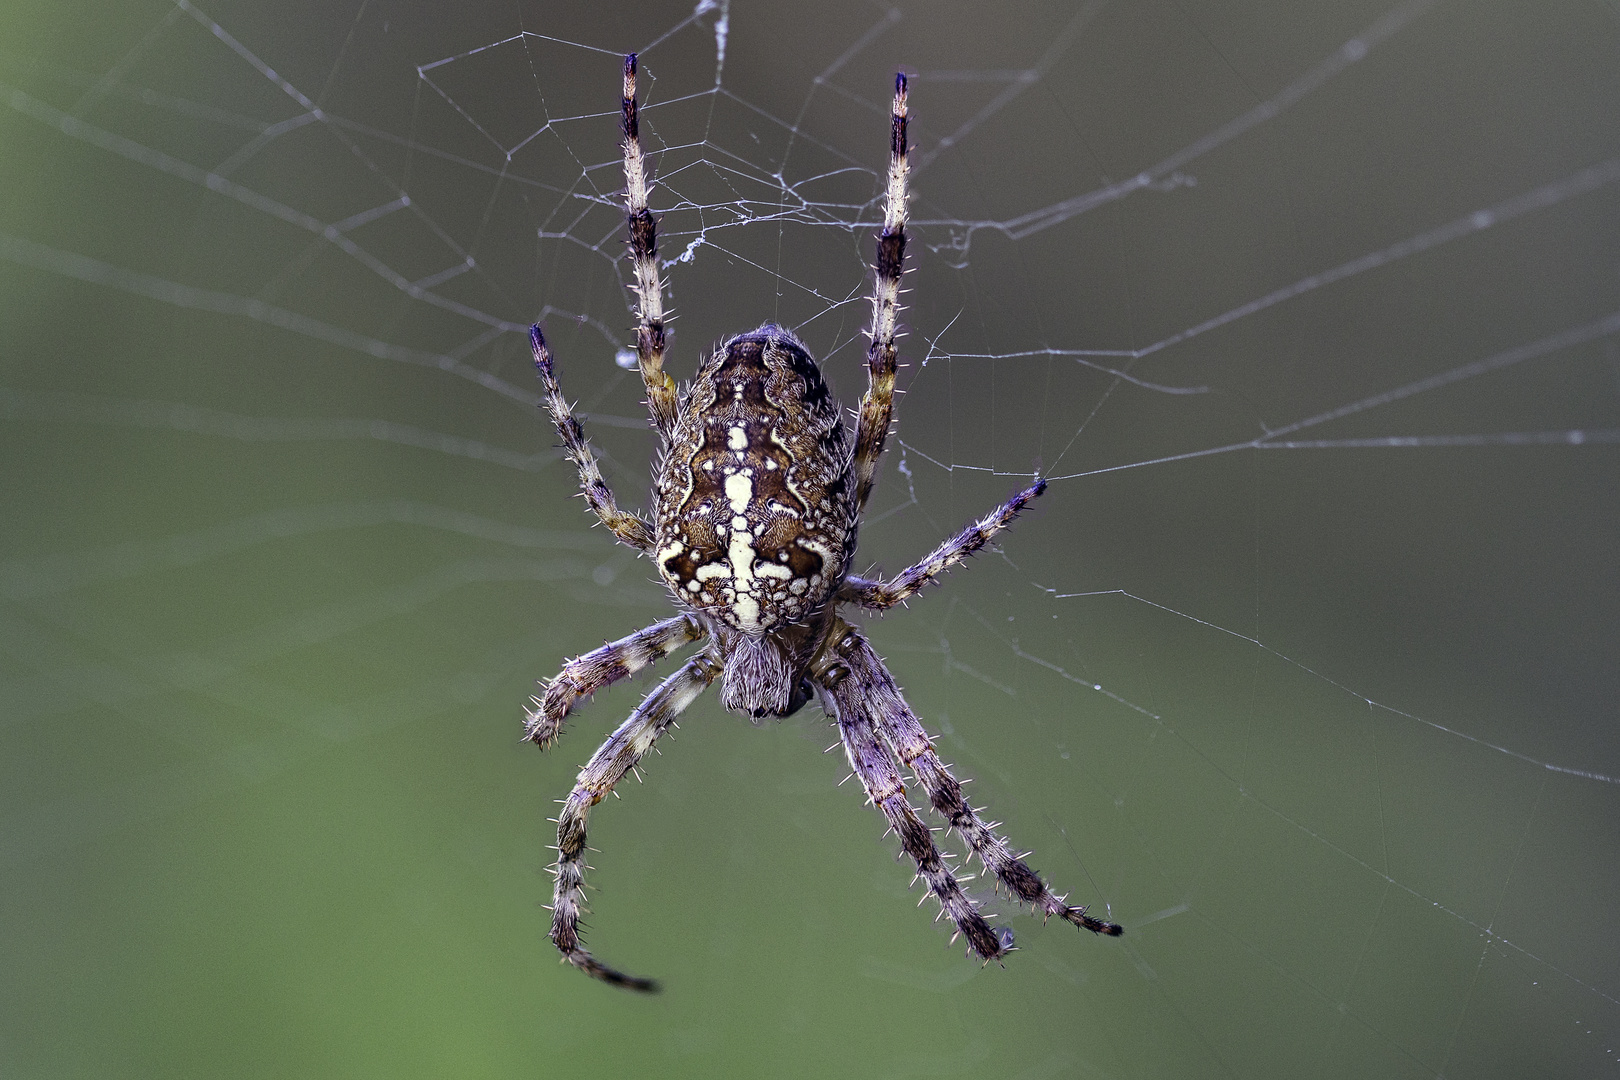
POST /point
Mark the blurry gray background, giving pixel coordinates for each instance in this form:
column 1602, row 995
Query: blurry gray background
column 1303, row 669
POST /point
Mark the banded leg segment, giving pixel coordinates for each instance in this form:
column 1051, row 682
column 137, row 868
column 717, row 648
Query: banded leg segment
column 629, row 528
column 903, row 733
column 882, row 595
column 600, row 668
column 846, row 698
column 623, row 749
column 877, row 406
column 644, row 258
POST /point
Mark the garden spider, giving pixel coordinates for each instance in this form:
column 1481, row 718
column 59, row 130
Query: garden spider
column 757, row 500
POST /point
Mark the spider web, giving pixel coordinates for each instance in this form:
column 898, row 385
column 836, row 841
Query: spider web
column 1303, row 668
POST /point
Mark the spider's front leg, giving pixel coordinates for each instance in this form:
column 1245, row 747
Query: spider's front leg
column 877, row 405
column 650, row 341
column 882, row 595
column 903, row 734
column 607, row 767
column 585, row 675
column 628, row 527
column 848, row 698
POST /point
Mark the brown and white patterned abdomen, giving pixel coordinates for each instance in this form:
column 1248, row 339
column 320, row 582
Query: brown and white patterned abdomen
column 755, row 505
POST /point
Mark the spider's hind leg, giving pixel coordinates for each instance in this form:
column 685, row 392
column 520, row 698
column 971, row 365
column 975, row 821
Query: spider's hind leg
column 904, row 736
column 848, row 698
column 615, row 757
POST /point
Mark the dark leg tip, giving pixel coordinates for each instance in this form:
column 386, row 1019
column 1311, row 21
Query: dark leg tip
column 593, row 967
column 542, row 356
column 1078, row 916
column 628, row 982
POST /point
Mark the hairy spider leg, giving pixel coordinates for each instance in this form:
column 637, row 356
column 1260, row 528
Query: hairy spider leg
column 905, row 737
column 846, row 697
column 626, row 746
column 661, row 397
column 877, row 405
column 882, row 595
column 628, row 527
column 585, row 675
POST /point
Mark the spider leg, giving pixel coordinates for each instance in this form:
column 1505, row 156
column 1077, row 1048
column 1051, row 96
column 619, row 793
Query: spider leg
column 877, row 406
column 628, row 527
column 585, row 675
column 904, row 735
column 847, row 697
column 644, row 256
column 882, row 595
column 622, row 750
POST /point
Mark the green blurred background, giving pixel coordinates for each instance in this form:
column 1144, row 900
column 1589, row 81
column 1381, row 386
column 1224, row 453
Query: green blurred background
column 1330, row 728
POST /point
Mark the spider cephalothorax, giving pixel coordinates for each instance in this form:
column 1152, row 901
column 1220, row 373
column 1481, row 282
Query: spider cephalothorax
column 757, row 500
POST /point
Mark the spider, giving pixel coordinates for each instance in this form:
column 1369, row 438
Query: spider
column 758, row 495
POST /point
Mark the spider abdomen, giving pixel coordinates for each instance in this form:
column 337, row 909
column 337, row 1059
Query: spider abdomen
column 754, row 501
